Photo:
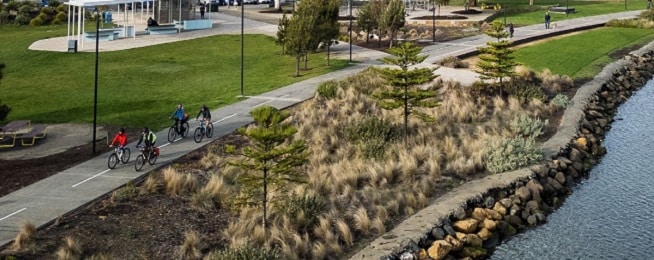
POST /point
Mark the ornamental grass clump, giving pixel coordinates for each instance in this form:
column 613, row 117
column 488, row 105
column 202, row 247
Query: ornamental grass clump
column 511, row 154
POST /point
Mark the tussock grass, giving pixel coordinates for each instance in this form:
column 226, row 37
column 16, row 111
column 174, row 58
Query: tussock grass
column 177, row 183
column 150, row 185
column 101, row 256
column 128, row 191
column 70, row 250
column 190, row 248
column 213, row 194
column 24, row 239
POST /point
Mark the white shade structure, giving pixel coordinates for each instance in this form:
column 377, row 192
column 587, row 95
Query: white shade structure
column 78, row 8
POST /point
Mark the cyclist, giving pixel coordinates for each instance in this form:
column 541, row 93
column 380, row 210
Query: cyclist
column 148, row 138
column 120, row 139
column 206, row 115
column 180, row 118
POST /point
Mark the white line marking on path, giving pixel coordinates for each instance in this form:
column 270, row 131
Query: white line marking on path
column 16, row 212
column 271, row 99
column 89, row 178
column 225, row 118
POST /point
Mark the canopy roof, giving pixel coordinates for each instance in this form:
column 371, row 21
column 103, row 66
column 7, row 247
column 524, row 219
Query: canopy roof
column 90, row 3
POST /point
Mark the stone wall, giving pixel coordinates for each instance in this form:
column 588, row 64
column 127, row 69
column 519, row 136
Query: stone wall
column 470, row 221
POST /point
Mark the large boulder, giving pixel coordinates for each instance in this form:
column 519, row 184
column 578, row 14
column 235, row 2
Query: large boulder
column 468, row 225
column 439, row 249
column 523, row 193
column 499, row 208
column 488, row 224
column 457, row 245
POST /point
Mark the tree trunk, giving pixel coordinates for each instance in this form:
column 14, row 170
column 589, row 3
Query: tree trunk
column 265, row 197
column 297, row 66
column 306, row 61
column 328, row 54
column 367, row 37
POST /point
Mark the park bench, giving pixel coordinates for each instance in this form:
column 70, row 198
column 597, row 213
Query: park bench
column 103, row 35
column 562, row 9
column 162, row 29
column 29, row 138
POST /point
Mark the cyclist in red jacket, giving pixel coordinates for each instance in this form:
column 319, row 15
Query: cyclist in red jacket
column 120, row 139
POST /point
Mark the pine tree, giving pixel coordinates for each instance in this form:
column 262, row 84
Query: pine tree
column 271, row 158
column 496, row 60
column 366, row 18
column 405, row 92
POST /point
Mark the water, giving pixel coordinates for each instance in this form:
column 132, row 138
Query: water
column 610, row 214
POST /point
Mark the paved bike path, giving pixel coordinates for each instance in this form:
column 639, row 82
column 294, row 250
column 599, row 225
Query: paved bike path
column 48, row 199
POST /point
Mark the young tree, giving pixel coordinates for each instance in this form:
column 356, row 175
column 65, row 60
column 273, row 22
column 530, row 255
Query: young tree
column 394, row 18
column 406, row 91
column 380, row 8
column 272, row 158
column 4, row 109
column 327, row 28
column 496, row 60
column 281, row 32
column 366, row 18
column 440, row 3
column 298, row 38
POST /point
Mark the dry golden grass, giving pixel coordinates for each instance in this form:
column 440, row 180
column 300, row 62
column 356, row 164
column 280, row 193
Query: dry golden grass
column 100, row 256
column 24, row 239
column 150, row 185
column 70, row 250
column 178, row 183
column 190, row 249
column 362, row 194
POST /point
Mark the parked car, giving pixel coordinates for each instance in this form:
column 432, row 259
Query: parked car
column 250, row 2
column 234, row 2
column 264, row 1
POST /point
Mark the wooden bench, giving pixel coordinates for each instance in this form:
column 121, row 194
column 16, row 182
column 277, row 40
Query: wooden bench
column 162, row 29
column 103, row 35
column 29, row 138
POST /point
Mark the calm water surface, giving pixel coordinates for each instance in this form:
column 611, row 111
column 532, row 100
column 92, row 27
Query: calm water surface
column 611, row 214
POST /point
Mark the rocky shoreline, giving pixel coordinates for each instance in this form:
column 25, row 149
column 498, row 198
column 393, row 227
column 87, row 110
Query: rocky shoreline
column 470, row 221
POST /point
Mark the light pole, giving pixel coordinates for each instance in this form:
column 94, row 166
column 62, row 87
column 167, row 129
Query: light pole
column 242, row 45
column 95, row 93
column 349, row 7
column 433, row 22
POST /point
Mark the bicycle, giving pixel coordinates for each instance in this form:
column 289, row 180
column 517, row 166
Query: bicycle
column 123, row 154
column 150, row 157
column 203, row 130
column 173, row 132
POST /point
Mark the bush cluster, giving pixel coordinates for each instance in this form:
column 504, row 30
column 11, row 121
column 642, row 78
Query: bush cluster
column 525, row 126
column 561, row 101
column 452, row 62
column 373, row 135
column 512, row 153
column 525, row 93
column 327, row 89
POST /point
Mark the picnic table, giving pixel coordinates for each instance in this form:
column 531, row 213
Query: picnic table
column 23, row 130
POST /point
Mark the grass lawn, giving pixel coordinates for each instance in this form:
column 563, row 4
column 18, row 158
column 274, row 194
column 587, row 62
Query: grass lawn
column 519, row 13
column 142, row 86
column 590, row 51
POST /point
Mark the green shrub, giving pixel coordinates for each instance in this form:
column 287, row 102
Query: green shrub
column 4, row 17
column 647, row 15
column 525, row 126
column 561, row 101
column 36, row 22
column 22, row 19
column 12, row 5
column 373, row 135
column 62, row 8
column 245, row 253
column 643, row 23
column 54, row 3
column 128, row 191
column 525, row 93
column 310, row 206
column 328, row 89
column 510, row 154
column 61, row 16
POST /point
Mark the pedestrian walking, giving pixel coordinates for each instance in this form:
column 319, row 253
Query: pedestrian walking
column 510, row 30
column 547, row 20
column 202, row 6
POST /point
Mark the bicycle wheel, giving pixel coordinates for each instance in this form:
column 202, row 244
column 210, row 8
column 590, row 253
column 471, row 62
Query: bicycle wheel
column 197, row 136
column 139, row 162
column 172, row 134
column 152, row 159
column 187, row 128
column 113, row 160
column 126, row 155
column 209, row 130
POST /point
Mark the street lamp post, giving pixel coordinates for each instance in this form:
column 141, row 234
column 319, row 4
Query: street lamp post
column 242, row 45
column 433, row 22
column 95, row 93
column 349, row 7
